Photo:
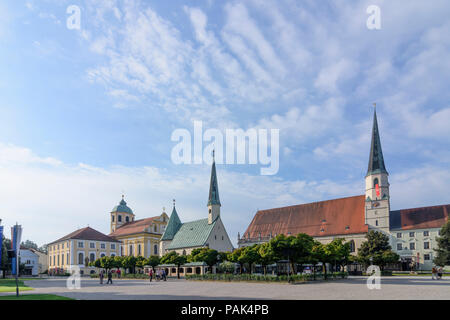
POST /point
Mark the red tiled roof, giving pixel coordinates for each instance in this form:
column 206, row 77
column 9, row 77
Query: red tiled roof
column 324, row 218
column 87, row 234
column 420, row 218
column 137, row 226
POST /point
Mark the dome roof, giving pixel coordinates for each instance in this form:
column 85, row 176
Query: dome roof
column 122, row 207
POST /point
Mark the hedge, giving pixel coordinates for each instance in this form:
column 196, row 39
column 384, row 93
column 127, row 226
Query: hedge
column 266, row 278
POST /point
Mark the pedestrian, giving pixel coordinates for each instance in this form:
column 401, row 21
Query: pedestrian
column 150, row 274
column 101, row 277
column 164, row 275
column 433, row 273
column 439, row 273
column 118, row 273
column 109, row 277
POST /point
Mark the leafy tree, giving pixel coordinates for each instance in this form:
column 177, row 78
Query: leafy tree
column 226, row 267
column 153, row 261
column 266, row 255
column 43, row 248
column 140, row 261
column 29, row 245
column 206, row 255
column 129, row 262
column 174, row 258
column 443, row 250
column 5, row 265
column 249, row 256
column 295, row 249
column 320, row 253
column 339, row 252
column 376, row 250
column 234, row 257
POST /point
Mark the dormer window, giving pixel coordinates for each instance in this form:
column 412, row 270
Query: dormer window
column 127, row 219
column 119, row 218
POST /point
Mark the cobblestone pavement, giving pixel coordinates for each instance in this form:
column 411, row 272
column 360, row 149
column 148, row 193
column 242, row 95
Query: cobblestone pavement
column 353, row 288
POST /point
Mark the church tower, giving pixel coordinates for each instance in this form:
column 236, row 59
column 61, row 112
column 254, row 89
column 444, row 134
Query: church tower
column 377, row 185
column 120, row 215
column 213, row 201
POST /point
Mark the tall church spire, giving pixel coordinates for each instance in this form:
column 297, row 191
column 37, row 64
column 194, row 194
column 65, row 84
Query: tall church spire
column 173, row 225
column 213, row 186
column 376, row 161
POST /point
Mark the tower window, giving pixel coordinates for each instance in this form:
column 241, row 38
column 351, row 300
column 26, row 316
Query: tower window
column 127, row 219
column 375, row 182
column 112, row 218
column 209, row 210
column 119, row 218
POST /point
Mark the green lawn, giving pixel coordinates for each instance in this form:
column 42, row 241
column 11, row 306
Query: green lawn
column 9, row 285
column 35, row 297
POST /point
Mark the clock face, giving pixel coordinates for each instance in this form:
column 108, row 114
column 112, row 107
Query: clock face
column 376, row 204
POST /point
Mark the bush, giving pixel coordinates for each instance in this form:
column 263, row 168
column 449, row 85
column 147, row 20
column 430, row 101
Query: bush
column 266, row 278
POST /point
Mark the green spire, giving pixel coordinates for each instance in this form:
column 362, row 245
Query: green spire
column 213, row 187
column 173, row 225
column 376, row 161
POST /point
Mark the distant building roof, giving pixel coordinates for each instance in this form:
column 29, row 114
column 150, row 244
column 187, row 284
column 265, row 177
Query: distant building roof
column 134, row 227
column 122, row 207
column 192, row 234
column 86, row 234
column 419, row 218
column 324, row 218
column 173, row 226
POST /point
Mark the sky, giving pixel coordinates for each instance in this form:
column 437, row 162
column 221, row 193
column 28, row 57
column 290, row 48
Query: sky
column 87, row 114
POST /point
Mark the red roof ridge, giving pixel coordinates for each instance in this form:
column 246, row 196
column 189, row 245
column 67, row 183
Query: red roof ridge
column 419, row 208
column 303, row 204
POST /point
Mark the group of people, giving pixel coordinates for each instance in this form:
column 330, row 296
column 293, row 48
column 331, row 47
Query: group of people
column 159, row 274
column 436, row 273
column 102, row 275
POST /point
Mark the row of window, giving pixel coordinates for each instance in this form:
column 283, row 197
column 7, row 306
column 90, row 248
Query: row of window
column 412, row 246
column 412, row 234
column 55, row 260
column 92, row 245
column 139, row 253
column 119, row 218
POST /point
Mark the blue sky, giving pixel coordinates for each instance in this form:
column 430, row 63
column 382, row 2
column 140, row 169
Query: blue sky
column 88, row 114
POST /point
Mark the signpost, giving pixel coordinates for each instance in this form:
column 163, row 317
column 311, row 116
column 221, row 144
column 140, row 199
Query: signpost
column 16, row 235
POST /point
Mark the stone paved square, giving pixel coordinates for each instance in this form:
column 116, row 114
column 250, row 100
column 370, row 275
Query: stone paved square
column 353, row 288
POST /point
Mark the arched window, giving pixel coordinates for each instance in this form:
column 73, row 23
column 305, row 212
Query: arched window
column 119, row 218
column 375, row 182
column 80, row 258
column 154, row 228
column 139, row 249
column 91, row 257
column 155, row 249
column 352, row 246
column 112, row 218
column 102, row 255
column 130, row 253
column 121, row 250
column 127, row 219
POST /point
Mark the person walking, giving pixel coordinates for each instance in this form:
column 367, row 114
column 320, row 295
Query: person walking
column 439, row 273
column 101, row 277
column 433, row 273
column 118, row 273
column 164, row 274
column 109, row 277
column 150, row 274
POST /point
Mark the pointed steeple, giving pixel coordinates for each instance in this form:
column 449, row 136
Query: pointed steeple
column 376, row 160
column 213, row 186
column 173, row 225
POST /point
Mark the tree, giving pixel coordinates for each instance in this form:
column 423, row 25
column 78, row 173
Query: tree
column 43, row 248
column 249, row 256
column 339, row 252
column 234, row 257
column 174, row 258
column 140, row 261
column 376, row 250
column 129, row 262
column 153, row 261
column 206, row 255
column 320, row 253
column 5, row 265
column 226, row 267
column 29, row 245
column 266, row 256
column 443, row 250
